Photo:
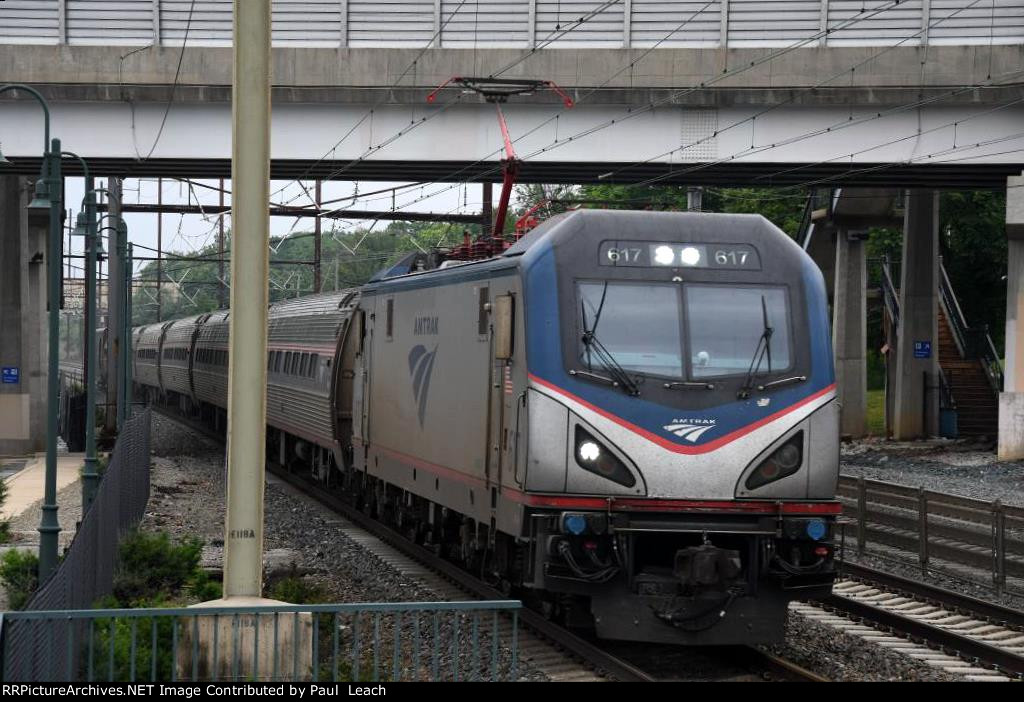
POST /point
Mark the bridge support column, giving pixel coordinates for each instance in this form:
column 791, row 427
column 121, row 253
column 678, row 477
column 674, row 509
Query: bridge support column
column 916, row 411
column 22, row 319
column 849, row 332
column 1011, row 400
column 822, row 249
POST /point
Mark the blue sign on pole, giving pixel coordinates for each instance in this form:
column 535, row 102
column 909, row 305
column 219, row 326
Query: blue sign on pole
column 10, row 375
column 922, row 349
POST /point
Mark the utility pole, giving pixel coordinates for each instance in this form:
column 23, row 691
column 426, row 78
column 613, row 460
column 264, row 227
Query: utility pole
column 221, row 296
column 487, row 214
column 694, row 198
column 159, row 249
column 247, row 378
column 316, row 244
column 115, row 277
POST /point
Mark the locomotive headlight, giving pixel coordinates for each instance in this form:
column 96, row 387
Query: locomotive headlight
column 689, row 256
column 594, row 457
column 589, row 451
column 664, row 255
column 787, row 457
column 782, row 462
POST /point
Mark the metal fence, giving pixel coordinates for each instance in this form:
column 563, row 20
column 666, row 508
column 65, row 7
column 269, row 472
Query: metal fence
column 338, row 642
column 87, row 571
column 960, row 537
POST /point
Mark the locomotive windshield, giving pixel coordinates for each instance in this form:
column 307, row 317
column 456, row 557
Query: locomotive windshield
column 725, row 324
column 640, row 325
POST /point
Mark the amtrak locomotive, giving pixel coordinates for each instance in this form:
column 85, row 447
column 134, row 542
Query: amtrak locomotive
column 628, row 418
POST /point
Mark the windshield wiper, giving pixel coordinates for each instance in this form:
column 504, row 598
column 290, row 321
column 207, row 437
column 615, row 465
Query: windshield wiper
column 619, row 376
column 764, row 348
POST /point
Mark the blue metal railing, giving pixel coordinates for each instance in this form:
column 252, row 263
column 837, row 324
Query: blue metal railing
column 473, row 640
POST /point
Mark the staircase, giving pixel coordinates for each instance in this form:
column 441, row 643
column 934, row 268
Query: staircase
column 976, row 402
column 971, row 374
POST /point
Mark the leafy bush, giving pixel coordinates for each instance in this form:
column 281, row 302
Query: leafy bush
column 19, row 573
column 131, row 635
column 295, row 589
column 151, row 566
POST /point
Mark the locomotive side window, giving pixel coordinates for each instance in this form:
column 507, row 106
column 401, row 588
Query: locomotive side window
column 482, row 306
column 389, row 324
column 725, row 323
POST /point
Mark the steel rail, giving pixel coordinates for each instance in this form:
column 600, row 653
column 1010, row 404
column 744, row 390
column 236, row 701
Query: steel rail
column 947, row 599
column 920, row 630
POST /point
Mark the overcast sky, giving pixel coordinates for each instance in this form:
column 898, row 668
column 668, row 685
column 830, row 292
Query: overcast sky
column 186, row 233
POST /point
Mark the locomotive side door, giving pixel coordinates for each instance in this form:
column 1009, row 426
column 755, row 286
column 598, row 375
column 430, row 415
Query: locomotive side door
column 500, row 386
column 360, row 384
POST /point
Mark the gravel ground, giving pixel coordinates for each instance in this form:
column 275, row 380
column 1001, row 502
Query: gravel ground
column 957, row 467
column 187, row 500
column 845, row 658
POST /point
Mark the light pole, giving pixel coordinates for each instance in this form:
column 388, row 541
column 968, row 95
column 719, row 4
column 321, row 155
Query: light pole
column 86, row 227
column 48, row 193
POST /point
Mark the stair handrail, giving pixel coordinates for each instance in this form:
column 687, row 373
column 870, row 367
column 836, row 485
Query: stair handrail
column 889, row 294
column 954, row 313
column 806, row 229
column 986, row 352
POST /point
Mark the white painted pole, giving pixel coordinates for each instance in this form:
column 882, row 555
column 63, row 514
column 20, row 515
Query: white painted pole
column 250, row 227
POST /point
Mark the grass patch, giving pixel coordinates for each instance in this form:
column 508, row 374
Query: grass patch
column 876, row 412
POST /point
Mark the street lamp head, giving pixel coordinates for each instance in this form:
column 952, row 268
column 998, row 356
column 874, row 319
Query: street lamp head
column 81, row 225
column 41, row 201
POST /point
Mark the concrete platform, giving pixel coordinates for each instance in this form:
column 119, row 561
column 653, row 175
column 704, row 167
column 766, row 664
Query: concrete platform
column 25, row 487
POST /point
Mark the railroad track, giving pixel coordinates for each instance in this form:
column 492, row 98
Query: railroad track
column 553, row 650
column 962, row 635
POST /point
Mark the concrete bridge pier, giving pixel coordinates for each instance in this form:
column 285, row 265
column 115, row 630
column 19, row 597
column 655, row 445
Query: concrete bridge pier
column 916, row 404
column 849, row 330
column 1011, row 400
column 22, row 320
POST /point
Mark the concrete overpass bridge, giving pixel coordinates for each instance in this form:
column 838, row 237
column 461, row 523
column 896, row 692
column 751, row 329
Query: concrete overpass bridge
column 918, row 94
column 727, row 91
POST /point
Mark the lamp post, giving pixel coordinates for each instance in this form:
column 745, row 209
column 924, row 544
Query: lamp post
column 86, row 227
column 48, row 194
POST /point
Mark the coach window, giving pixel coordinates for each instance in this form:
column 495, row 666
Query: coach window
column 314, row 362
column 288, row 362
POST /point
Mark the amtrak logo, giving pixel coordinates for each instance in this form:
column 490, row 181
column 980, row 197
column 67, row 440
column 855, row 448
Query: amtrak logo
column 690, row 429
column 421, row 363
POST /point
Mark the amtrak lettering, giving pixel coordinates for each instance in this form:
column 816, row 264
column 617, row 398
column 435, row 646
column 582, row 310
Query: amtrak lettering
column 421, row 363
column 424, row 325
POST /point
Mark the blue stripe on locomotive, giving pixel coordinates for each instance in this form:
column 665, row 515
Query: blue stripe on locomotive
column 544, row 356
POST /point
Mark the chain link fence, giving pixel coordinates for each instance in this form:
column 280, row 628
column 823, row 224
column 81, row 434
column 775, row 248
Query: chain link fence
column 86, row 572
